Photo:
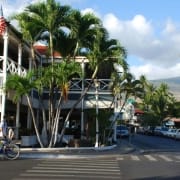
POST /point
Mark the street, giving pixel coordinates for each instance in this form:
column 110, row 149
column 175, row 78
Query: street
column 150, row 162
column 154, row 143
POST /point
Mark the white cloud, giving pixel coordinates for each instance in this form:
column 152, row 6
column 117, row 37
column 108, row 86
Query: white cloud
column 90, row 10
column 155, row 72
column 159, row 52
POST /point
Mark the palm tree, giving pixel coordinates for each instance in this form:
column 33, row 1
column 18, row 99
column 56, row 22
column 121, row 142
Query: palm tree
column 78, row 38
column 50, row 18
column 124, row 86
column 63, row 72
column 148, row 92
column 161, row 101
column 102, row 49
column 38, row 80
column 84, row 31
column 23, row 87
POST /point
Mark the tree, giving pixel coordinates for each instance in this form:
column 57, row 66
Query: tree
column 102, row 49
column 78, row 38
column 39, row 20
column 161, row 101
column 85, row 30
column 23, row 87
column 157, row 101
column 38, row 80
column 124, row 86
column 88, row 33
column 62, row 74
column 147, row 94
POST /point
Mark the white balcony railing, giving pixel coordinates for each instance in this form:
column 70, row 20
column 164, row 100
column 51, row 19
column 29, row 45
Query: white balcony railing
column 12, row 67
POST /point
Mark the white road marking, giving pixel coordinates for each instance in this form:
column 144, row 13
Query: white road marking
column 150, row 158
column 165, row 158
column 135, row 158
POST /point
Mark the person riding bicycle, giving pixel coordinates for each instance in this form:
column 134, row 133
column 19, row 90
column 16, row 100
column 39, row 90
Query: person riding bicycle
column 3, row 130
column 9, row 149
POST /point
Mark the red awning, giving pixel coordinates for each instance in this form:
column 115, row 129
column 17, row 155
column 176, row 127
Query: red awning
column 41, row 49
column 139, row 111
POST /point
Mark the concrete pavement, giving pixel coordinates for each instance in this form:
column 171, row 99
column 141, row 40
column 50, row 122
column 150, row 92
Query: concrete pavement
column 122, row 147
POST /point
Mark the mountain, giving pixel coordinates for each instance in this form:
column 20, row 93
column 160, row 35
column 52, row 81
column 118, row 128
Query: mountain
column 173, row 83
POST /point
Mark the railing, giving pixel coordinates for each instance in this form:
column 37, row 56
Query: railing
column 12, row 67
column 76, row 84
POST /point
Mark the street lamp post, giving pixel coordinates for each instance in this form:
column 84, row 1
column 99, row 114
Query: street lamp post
column 82, row 101
column 97, row 112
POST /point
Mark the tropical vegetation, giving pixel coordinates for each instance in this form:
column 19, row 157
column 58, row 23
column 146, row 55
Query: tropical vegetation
column 72, row 34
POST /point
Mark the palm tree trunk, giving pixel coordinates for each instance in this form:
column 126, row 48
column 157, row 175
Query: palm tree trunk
column 34, row 121
column 44, row 129
column 55, row 125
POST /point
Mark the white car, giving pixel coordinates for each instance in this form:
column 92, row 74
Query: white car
column 177, row 135
column 163, row 131
column 171, row 133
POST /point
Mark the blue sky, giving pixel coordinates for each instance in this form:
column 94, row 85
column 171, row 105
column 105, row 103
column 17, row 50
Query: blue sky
column 148, row 29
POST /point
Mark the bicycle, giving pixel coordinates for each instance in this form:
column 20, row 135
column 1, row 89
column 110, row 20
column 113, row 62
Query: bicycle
column 9, row 150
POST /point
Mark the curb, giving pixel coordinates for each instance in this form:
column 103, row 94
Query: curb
column 67, row 149
column 76, row 153
column 64, row 153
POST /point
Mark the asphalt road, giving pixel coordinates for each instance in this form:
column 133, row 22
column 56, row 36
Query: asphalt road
column 163, row 166
column 156, row 166
column 162, row 162
column 155, row 143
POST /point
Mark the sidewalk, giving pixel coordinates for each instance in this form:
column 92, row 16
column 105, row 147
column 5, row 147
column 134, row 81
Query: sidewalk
column 121, row 147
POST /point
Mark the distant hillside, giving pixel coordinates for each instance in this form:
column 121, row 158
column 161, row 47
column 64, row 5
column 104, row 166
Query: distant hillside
column 173, row 83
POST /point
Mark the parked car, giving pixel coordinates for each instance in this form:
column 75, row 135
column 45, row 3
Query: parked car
column 140, row 130
column 171, row 133
column 149, row 130
column 122, row 131
column 157, row 130
column 164, row 131
column 177, row 134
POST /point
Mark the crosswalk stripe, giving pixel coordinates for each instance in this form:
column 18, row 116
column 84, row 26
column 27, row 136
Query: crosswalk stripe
column 119, row 158
column 70, row 171
column 165, row 158
column 78, row 169
column 95, row 176
column 156, row 157
column 150, row 158
column 80, row 165
column 135, row 158
column 178, row 157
